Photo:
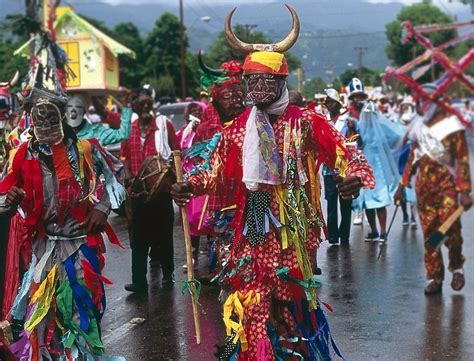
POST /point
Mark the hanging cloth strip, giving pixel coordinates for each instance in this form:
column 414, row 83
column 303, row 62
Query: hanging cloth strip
column 82, row 298
column 258, row 215
column 42, row 299
column 229, row 351
column 234, row 309
column 307, row 284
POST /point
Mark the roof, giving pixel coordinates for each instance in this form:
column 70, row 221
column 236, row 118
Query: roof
column 65, row 13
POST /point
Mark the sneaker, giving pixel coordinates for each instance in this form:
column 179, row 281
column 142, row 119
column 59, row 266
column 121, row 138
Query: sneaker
column 383, row 237
column 134, row 288
column 413, row 224
column 359, row 216
column 406, row 221
column 372, row 237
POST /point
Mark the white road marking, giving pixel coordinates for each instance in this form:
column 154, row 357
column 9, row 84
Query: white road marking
column 119, row 332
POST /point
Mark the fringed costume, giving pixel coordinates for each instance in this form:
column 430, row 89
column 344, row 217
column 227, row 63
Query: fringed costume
column 61, row 299
column 272, row 309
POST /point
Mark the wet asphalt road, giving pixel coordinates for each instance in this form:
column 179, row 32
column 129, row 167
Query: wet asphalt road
column 380, row 311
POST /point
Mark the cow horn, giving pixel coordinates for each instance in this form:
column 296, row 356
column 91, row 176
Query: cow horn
column 14, row 80
column 206, row 69
column 279, row 47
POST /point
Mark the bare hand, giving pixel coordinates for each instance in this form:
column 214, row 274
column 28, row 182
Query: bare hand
column 399, row 195
column 125, row 92
column 466, row 200
column 14, row 197
column 349, row 187
column 182, row 193
column 95, row 221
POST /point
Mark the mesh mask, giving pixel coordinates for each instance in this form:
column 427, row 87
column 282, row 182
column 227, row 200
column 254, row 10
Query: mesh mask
column 47, row 122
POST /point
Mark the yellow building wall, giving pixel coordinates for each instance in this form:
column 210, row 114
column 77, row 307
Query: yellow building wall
column 94, row 66
column 85, row 60
column 111, row 70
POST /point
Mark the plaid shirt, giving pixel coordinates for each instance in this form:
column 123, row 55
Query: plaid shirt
column 133, row 150
column 225, row 195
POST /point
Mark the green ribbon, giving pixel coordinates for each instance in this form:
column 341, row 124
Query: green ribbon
column 307, row 284
column 195, row 291
column 64, row 302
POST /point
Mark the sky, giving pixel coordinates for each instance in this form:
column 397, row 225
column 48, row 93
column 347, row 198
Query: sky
column 450, row 6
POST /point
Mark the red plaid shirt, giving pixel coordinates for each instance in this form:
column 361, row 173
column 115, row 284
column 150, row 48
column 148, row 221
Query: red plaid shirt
column 133, row 150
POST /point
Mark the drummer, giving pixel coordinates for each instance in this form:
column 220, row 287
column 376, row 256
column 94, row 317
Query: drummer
column 151, row 224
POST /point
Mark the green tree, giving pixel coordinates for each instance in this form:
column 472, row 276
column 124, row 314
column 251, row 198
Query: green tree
column 369, row 77
column 14, row 32
column 417, row 14
column 314, row 86
column 221, row 50
column 131, row 70
column 9, row 62
column 162, row 55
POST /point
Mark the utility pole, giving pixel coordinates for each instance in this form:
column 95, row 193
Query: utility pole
column 361, row 51
column 248, row 28
column 299, row 79
column 330, row 72
column 182, row 50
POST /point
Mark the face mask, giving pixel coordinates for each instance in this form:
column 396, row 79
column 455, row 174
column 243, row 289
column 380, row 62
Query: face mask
column 230, row 101
column 3, row 124
column 47, row 122
column 75, row 111
column 263, row 89
column 407, row 117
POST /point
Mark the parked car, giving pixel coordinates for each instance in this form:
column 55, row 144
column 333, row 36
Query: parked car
column 175, row 112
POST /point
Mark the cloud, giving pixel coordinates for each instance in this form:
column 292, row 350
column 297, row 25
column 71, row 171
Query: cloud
column 118, row 2
column 443, row 4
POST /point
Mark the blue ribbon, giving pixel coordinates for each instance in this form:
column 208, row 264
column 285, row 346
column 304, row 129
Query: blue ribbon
column 81, row 297
column 91, row 257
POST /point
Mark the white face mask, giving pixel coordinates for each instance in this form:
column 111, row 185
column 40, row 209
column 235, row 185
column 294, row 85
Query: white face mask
column 407, row 116
column 3, row 124
column 75, row 110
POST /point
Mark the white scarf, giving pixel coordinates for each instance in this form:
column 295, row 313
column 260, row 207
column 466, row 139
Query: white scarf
column 255, row 170
column 161, row 135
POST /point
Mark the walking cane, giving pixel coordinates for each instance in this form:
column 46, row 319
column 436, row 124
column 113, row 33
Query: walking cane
column 384, row 243
column 189, row 258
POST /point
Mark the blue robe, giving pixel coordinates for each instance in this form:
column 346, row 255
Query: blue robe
column 381, row 142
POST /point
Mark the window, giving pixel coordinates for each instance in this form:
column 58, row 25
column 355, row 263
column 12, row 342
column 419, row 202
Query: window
column 72, row 51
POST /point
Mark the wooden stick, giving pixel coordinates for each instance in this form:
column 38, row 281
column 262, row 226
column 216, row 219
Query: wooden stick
column 203, row 212
column 452, row 218
column 436, row 239
column 189, row 257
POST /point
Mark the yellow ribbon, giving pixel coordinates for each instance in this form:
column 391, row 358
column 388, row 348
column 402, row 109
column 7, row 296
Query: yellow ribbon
column 43, row 297
column 235, row 305
column 341, row 163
